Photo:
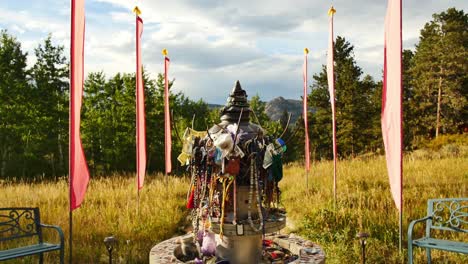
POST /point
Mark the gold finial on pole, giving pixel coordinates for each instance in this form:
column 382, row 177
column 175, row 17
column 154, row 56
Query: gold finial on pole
column 164, row 52
column 331, row 11
column 306, row 51
column 137, row 11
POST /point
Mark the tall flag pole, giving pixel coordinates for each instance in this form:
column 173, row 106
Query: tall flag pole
column 78, row 169
column 306, row 125
column 167, row 117
column 140, row 106
column 331, row 89
column 392, row 112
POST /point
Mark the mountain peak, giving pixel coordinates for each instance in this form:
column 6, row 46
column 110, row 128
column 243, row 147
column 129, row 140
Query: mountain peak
column 276, row 107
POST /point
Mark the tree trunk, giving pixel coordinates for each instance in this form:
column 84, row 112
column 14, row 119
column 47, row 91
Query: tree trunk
column 23, row 173
column 4, row 158
column 61, row 165
column 52, row 164
column 148, row 161
column 439, row 99
column 93, row 156
column 60, row 150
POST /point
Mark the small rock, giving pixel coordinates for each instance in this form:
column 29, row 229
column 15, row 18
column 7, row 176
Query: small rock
column 308, row 244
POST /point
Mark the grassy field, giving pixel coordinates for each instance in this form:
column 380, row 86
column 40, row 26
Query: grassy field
column 364, row 204
column 110, row 208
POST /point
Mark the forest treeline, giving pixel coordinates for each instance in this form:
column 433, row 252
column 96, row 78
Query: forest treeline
column 34, row 106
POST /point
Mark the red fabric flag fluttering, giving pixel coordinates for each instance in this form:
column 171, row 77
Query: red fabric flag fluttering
column 391, row 100
column 304, row 113
column 167, row 116
column 331, row 89
column 140, row 108
column 78, row 169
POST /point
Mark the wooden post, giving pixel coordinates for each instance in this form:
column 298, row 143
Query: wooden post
column 70, row 242
column 400, row 225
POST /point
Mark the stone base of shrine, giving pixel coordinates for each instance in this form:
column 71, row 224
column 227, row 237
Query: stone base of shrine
column 304, row 250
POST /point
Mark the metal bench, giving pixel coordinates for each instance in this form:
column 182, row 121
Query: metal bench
column 23, row 223
column 449, row 214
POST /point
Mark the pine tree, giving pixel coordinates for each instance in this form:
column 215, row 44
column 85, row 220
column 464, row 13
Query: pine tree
column 50, row 79
column 258, row 107
column 354, row 107
column 409, row 115
column 439, row 73
column 109, row 122
column 17, row 115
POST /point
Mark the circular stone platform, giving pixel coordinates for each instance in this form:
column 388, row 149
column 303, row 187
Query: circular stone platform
column 307, row 251
column 232, row 230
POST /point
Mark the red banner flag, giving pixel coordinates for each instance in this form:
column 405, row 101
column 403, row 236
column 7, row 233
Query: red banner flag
column 167, row 117
column 391, row 100
column 78, row 169
column 304, row 113
column 140, row 107
column 331, row 90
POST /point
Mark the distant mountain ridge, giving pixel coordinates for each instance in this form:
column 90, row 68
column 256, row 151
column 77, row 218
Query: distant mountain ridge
column 213, row 106
column 276, row 107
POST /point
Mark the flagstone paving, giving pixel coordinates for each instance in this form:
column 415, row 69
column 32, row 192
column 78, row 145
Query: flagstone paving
column 308, row 252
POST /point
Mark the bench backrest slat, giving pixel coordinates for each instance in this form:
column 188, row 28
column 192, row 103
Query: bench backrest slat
column 19, row 222
column 450, row 214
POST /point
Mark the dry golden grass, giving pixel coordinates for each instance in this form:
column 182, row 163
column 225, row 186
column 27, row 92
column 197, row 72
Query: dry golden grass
column 110, row 208
column 364, row 204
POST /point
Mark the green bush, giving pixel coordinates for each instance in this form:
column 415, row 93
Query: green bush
column 456, row 141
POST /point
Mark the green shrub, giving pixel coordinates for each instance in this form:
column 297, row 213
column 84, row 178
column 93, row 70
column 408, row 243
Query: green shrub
column 456, row 140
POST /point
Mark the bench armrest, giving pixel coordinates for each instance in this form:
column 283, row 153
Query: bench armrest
column 411, row 226
column 58, row 229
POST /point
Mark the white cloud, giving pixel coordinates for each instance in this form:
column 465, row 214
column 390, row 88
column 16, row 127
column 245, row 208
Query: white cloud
column 212, row 43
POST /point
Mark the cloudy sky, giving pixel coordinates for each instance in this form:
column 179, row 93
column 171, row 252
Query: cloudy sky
column 212, row 43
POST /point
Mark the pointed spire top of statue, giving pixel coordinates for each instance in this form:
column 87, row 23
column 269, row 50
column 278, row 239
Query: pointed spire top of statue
column 237, row 88
column 237, row 99
column 238, row 96
column 238, row 93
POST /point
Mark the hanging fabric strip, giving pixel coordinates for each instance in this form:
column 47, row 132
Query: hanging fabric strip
column 189, row 136
column 304, row 114
column 391, row 100
column 140, row 109
column 167, row 117
column 331, row 89
column 78, row 169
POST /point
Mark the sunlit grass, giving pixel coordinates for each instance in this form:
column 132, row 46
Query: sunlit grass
column 110, row 208
column 364, row 204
